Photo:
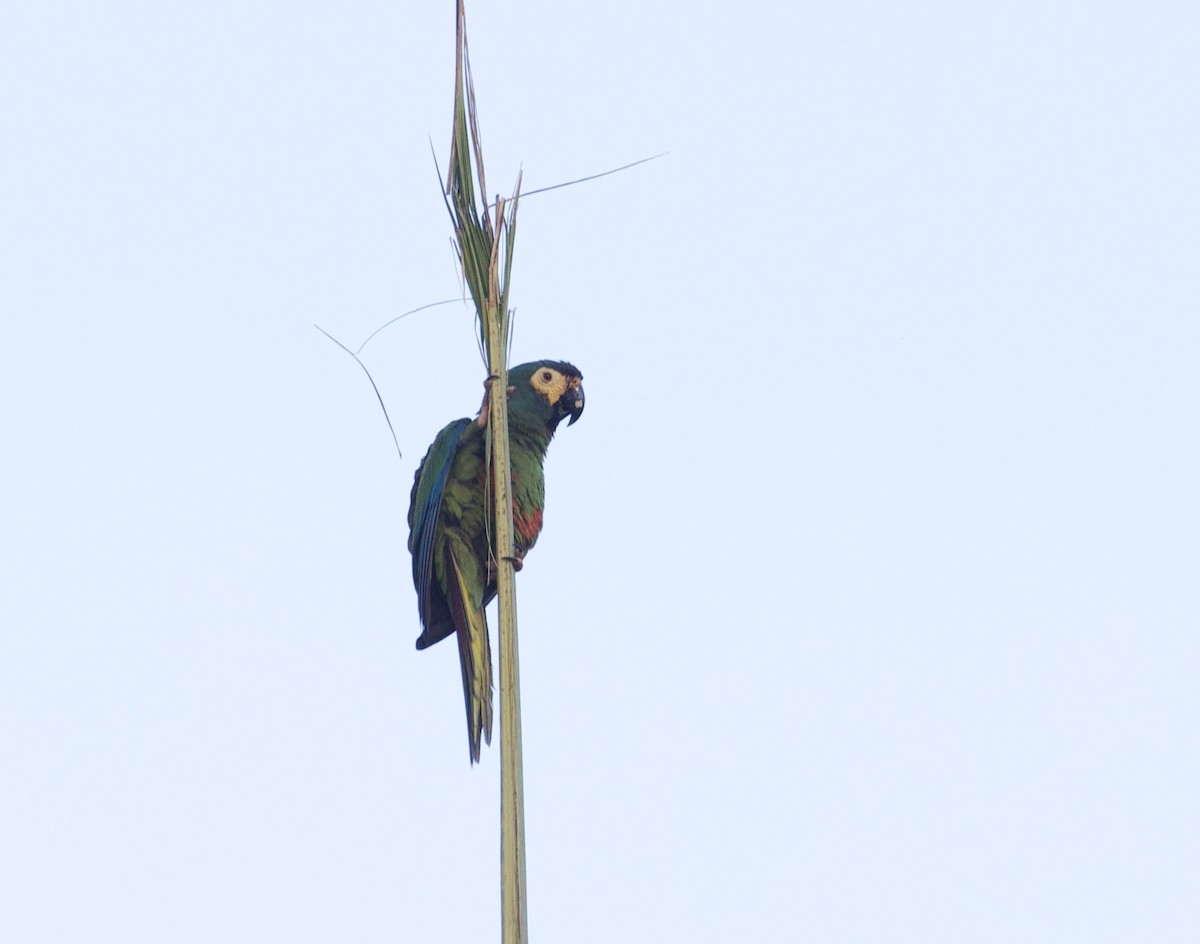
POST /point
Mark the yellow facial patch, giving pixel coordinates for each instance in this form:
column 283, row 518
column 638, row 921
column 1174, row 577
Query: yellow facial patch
column 551, row 384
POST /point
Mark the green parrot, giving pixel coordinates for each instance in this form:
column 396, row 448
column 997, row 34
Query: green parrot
column 449, row 521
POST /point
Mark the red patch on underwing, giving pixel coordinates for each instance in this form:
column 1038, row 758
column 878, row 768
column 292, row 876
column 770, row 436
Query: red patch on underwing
column 528, row 526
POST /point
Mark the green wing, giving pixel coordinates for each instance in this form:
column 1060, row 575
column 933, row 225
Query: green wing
column 448, row 541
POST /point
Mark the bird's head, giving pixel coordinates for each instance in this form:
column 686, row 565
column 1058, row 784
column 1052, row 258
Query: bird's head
column 546, row 390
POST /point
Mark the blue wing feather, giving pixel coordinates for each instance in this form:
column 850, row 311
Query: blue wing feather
column 428, row 489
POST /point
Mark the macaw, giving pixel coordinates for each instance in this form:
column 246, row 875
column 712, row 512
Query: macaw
column 449, row 521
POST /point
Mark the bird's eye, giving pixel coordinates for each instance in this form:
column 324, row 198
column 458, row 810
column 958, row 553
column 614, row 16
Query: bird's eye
column 546, row 375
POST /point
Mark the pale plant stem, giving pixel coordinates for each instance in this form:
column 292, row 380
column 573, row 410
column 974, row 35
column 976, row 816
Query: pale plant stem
column 512, row 802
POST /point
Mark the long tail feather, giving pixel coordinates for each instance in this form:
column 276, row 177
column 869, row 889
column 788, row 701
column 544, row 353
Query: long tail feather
column 475, row 654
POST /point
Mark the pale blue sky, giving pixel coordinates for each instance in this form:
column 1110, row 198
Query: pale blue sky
column 866, row 608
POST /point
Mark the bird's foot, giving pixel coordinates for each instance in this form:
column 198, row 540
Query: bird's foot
column 518, row 561
column 482, row 419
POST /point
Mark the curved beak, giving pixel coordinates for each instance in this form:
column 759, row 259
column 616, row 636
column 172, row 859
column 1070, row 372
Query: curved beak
column 571, row 403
